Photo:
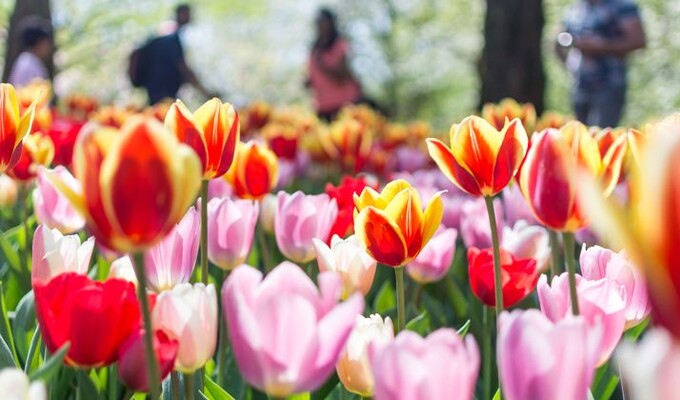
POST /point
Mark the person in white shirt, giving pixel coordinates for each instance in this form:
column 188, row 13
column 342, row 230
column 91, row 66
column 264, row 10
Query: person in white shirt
column 36, row 40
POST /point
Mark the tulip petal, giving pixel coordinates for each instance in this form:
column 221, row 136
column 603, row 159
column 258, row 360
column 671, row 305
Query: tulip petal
column 447, row 163
column 510, row 154
column 382, row 237
column 180, row 121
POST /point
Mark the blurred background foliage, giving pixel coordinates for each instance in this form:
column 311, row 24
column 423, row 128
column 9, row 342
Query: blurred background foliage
column 416, row 58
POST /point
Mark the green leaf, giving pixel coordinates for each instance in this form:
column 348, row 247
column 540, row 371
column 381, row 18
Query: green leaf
column 31, row 350
column 6, row 358
column 420, row 324
column 325, row 391
column 497, row 396
column 463, row 330
column 5, row 328
column 52, row 365
column 385, row 300
column 590, row 395
column 214, row 391
column 86, row 387
column 10, row 254
column 23, row 324
column 300, row 396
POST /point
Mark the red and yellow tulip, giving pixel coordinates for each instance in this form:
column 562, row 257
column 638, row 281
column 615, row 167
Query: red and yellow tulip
column 608, row 141
column 392, row 224
column 481, row 160
column 255, row 171
column 507, row 110
column 212, row 131
column 37, row 94
column 136, row 184
column 548, row 178
column 15, row 126
column 38, row 151
column 348, row 142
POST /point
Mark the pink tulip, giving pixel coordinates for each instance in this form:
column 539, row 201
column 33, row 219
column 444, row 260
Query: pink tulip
column 516, row 207
column 600, row 263
column 543, row 360
column 54, row 254
column 600, row 302
column 52, row 208
column 188, row 314
column 528, row 241
column 219, row 188
column 442, row 366
column 651, row 367
column 474, row 223
column 172, row 260
column 286, row 334
column 231, row 227
column 434, row 261
column 299, row 219
column 348, row 259
column 287, row 172
column 586, row 236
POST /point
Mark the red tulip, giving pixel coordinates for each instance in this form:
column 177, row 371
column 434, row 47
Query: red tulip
column 64, row 133
column 519, row 276
column 132, row 359
column 37, row 150
column 95, row 317
column 344, row 196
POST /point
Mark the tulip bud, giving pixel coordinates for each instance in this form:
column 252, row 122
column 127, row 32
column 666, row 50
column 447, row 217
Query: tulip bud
column 14, row 126
column 231, row 228
column 350, row 261
column 255, row 171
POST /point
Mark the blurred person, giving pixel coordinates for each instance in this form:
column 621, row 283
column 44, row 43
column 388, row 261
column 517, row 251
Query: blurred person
column 332, row 83
column 161, row 65
column 598, row 36
column 36, row 49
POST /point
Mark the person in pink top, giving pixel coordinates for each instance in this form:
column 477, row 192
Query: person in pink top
column 331, row 81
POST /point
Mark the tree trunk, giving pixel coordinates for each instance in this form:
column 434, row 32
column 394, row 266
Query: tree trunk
column 23, row 9
column 511, row 64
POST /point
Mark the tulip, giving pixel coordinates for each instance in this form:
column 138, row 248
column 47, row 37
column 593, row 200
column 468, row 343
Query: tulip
column 548, row 176
column 599, row 302
column 122, row 268
column 515, row 207
column 212, row 131
column 552, row 119
column 136, row 183
column 132, row 359
column 442, row 366
column 507, row 110
column 51, row 207
column 599, row 263
column 64, row 133
column 519, row 276
column 631, row 140
column 257, row 115
column 231, row 228
column 474, row 223
column 38, row 94
column 392, row 224
column 286, row 334
column 268, row 206
column 299, row 219
column 54, row 254
column 95, row 317
column 219, row 188
column 9, row 191
column 353, row 367
column 528, row 241
column 282, row 139
column 349, row 260
column 14, row 126
column 38, row 150
column 481, row 160
column 188, row 314
column 344, row 196
column 14, row 385
column 434, row 262
column 172, row 260
column 348, row 142
column 540, row 359
column 111, row 116
column 255, row 171
column 650, row 368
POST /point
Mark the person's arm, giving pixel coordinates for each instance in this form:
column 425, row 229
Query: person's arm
column 339, row 69
column 190, row 77
column 632, row 38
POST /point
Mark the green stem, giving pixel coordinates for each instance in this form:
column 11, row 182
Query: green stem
column 264, row 250
column 174, row 378
column 570, row 258
column 23, row 214
column 401, row 305
column 204, row 231
column 151, row 363
column 496, row 254
column 113, row 382
column 189, row 389
column 554, row 253
column 223, row 341
column 486, row 353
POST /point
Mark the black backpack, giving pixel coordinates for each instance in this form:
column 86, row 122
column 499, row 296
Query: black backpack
column 138, row 62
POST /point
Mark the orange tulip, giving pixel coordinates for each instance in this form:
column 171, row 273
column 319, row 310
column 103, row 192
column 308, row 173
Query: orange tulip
column 14, row 126
column 552, row 119
column 38, row 151
column 649, row 228
column 212, row 131
column 255, row 171
column 608, row 141
column 548, row 176
column 392, row 225
column 507, row 110
column 136, row 184
column 481, row 160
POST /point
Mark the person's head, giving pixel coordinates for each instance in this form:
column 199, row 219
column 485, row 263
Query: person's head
column 326, row 28
column 182, row 15
column 36, row 36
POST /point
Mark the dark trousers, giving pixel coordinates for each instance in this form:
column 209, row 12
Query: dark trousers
column 600, row 107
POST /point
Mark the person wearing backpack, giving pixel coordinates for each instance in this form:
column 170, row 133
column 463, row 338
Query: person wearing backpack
column 159, row 65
